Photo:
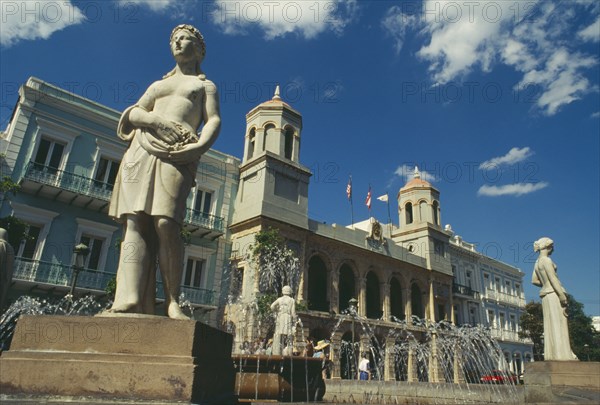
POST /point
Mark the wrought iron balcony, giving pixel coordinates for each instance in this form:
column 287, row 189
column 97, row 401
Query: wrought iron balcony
column 50, row 275
column 66, row 187
column 56, row 274
column 464, row 291
column 95, row 195
column 197, row 296
column 212, row 224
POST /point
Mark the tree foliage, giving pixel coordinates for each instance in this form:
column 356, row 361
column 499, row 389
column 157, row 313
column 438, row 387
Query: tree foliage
column 532, row 327
column 585, row 340
column 17, row 229
column 276, row 263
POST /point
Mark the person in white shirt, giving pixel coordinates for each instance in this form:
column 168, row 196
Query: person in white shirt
column 363, row 367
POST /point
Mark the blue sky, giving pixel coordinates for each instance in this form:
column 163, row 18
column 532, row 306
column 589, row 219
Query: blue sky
column 497, row 102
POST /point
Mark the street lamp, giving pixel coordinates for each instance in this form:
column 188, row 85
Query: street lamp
column 81, row 251
column 587, row 351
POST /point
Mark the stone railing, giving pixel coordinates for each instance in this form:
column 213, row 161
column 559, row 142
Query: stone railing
column 504, row 298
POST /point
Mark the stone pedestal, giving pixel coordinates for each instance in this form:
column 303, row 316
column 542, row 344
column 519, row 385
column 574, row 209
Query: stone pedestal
column 560, row 381
column 133, row 357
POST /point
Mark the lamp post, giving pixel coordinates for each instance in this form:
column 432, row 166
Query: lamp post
column 587, row 351
column 353, row 303
column 81, row 251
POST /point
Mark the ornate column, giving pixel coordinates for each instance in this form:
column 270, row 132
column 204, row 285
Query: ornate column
column 301, row 292
column 435, row 372
column 411, row 365
column 431, row 312
column 334, row 294
column 389, row 372
column 334, row 354
column 362, row 297
column 406, row 300
column 451, row 299
column 385, row 291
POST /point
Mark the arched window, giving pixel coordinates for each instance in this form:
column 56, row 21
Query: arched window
column 423, row 217
column 347, row 286
column 416, row 301
column 268, row 134
column 251, row 143
column 289, row 143
column 373, row 296
column 408, row 208
column 317, row 285
column 436, row 213
column 396, row 308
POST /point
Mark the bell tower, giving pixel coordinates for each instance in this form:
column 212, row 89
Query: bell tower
column 420, row 218
column 273, row 183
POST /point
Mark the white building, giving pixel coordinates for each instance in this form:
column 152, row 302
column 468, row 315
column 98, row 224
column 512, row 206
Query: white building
column 489, row 292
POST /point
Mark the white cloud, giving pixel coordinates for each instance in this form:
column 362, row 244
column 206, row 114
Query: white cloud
column 592, row 32
column 29, row 20
column 462, row 36
column 561, row 80
column 406, row 173
column 595, row 115
column 154, row 5
column 516, row 189
column 536, row 38
column 395, row 24
column 515, row 155
column 278, row 18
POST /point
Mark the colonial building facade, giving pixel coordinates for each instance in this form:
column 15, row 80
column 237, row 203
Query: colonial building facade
column 63, row 151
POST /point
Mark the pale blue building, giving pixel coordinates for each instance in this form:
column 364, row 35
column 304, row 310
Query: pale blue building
column 62, row 149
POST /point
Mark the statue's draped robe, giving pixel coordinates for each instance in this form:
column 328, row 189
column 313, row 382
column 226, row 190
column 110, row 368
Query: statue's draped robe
column 147, row 181
column 285, row 308
column 556, row 330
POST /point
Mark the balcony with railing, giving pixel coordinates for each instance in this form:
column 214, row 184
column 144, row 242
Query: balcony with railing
column 48, row 276
column 504, row 298
column 207, row 225
column 508, row 335
column 465, row 291
column 66, row 186
column 86, row 192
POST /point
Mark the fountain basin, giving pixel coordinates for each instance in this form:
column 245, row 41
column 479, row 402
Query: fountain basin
column 278, row 378
column 125, row 357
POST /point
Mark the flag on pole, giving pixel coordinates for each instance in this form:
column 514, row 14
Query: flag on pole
column 349, row 189
column 383, row 198
column 368, row 200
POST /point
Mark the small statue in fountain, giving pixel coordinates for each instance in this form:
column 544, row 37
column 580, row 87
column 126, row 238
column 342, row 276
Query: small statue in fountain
column 285, row 320
column 7, row 258
column 554, row 304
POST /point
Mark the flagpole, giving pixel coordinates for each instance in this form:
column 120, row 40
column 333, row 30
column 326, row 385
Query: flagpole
column 389, row 214
column 349, row 194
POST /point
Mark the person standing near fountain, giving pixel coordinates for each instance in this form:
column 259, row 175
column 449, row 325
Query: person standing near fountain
column 363, row 367
column 554, row 304
column 7, row 259
column 285, row 320
column 157, row 173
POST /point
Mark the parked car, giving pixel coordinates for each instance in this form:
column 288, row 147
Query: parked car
column 499, row 377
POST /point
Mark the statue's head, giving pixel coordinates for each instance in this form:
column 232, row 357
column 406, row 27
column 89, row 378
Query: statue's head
column 286, row 290
column 542, row 243
column 198, row 38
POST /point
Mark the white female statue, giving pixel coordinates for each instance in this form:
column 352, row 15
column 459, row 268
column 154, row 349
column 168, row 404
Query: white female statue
column 285, row 319
column 157, row 173
column 554, row 304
